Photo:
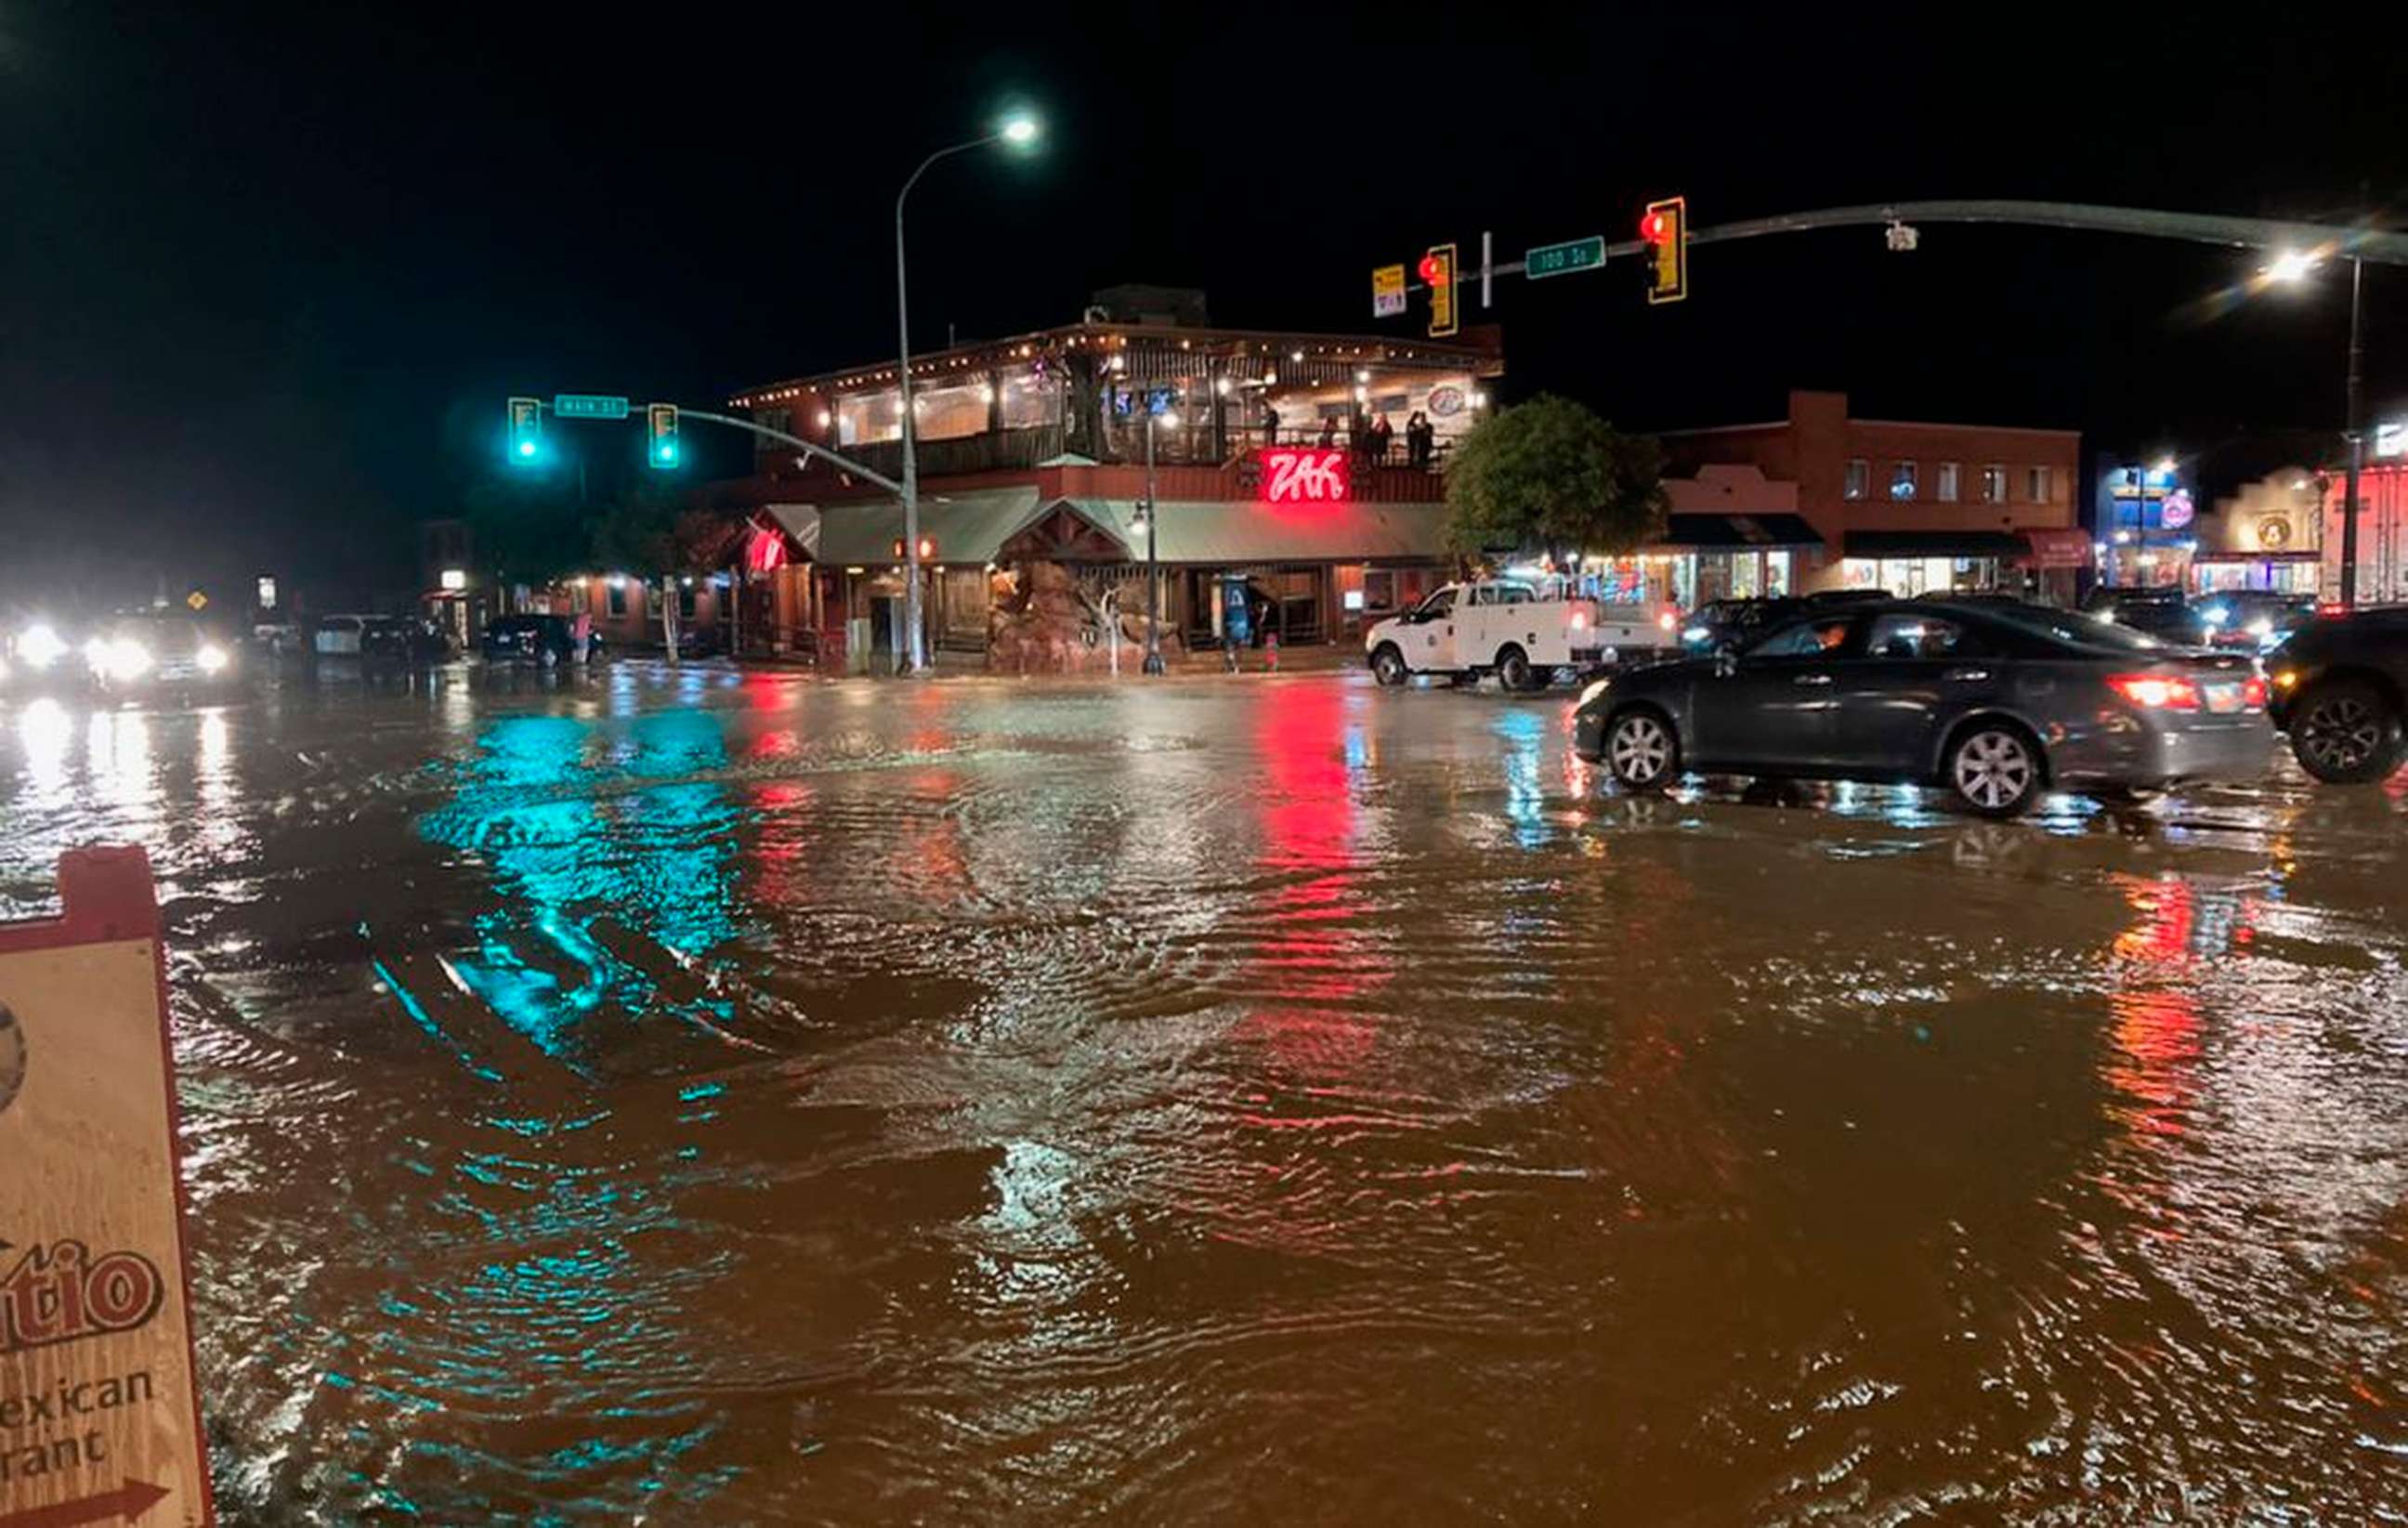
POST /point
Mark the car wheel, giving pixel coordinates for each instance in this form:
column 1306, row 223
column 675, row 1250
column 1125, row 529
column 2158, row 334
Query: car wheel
column 1513, row 669
column 2346, row 731
column 1388, row 666
column 1641, row 750
column 1995, row 769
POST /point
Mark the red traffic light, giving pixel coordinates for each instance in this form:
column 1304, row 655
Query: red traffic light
column 1655, row 227
column 1434, row 270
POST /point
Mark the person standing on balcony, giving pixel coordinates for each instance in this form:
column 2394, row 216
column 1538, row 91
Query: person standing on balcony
column 1329, row 432
column 1271, row 424
column 1420, row 438
column 1382, row 433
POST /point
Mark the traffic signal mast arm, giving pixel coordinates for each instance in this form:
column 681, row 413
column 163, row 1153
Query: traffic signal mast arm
column 843, row 463
column 2378, row 248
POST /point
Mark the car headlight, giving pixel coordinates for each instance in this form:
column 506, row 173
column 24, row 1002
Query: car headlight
column 39, row 645
column 2261, row 627
column 1696, row 633
column 121, row 659
column 1595, row 689
column 212, row 659
column 2218, row 614
column 2285, row 678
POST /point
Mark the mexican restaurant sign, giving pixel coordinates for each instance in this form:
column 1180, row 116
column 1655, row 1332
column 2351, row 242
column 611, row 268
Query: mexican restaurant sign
column 99, row 1418
column 1293, row 475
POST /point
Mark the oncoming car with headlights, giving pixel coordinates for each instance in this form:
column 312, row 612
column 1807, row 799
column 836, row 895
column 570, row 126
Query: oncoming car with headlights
column 38, row 657
column 159, row 649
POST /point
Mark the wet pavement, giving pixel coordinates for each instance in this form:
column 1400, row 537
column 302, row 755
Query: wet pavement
column 704, row 1098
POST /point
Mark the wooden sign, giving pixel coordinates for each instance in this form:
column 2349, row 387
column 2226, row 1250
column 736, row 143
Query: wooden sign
column 100, row 1420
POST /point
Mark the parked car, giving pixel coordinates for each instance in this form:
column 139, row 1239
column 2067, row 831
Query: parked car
column 401, row 639
column 1995, row 706
column 152, row 650
column 538, row 639
column 338, row 635
column 2158, row 610
column 2341, row 691
column 2252, row 620
column 1734, row 620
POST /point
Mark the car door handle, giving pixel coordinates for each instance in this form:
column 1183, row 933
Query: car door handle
column 1966, row 675
column 1812, row 678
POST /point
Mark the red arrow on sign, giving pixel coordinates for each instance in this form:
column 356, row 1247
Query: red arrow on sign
column 128, row 1502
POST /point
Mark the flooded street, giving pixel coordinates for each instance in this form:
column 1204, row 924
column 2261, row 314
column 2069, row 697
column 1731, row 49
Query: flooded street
column 714, row 1098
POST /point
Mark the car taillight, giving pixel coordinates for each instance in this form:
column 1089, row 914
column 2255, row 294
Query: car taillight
column 2156, row 691
column 2252, row 692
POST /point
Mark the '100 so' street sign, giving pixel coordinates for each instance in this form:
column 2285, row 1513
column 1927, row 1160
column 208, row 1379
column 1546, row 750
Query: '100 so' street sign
column 1581, row 254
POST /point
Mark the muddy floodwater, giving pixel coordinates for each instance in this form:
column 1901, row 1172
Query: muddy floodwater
column 704, row 1098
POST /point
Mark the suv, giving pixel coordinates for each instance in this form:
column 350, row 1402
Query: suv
column 2341, row 690
column 546, row 639
column 2158, row 610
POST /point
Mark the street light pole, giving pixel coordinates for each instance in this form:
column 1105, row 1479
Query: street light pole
column 2354, row 431
column 1152, row 566
column 1018, row 130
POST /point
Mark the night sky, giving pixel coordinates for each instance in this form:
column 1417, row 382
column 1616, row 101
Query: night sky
column 269, row 272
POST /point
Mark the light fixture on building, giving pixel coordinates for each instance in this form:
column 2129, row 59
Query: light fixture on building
column 1295, row 355
column 1270, row 377
column 1478, row 400
column 453, row 580
column 823, row 418
column 1221, row 385
column 1362, row 376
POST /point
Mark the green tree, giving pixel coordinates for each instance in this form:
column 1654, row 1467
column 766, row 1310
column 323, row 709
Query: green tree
column 655, row 532
column 1550, row 476
column 527, row 530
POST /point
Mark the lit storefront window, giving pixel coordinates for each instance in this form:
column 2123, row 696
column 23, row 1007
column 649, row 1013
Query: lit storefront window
column 1908, row 576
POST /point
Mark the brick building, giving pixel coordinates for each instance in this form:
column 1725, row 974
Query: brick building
column 1888, row 504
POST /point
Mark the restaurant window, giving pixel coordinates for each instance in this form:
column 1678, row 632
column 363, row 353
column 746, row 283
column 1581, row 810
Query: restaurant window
column 1946, row 483
column 1859, row 481
column 1379, row 590
column 618, row 600
column 1901, row 480
column 2036, row 485
column 949, row 413
column 864, row 419
column 1994, row 484
column 779, row 419
column 685, row 602
column 1031, row 400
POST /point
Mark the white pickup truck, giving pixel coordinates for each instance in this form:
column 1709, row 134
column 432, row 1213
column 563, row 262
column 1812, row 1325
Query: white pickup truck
column 1521, row 631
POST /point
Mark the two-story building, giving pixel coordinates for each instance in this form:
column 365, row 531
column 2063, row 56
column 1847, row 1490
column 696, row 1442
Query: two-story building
column 1272, row 473
column 1840, row 502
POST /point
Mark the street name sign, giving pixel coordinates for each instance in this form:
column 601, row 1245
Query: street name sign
column 100, row 1419
column 588, row 405
column 1580, row 255
column 1387, row 291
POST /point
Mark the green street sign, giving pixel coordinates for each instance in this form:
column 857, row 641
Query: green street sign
column 1581, row 254
column 588, row 405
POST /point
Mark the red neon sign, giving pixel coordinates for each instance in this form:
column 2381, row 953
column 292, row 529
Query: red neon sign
column 1294, row 475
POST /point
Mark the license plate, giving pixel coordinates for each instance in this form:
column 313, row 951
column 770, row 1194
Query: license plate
column 2222, row 698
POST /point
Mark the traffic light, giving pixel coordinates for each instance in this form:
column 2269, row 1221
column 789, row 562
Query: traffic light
column 661, row 419
column 526, row 430
column 1665, row 229
column 928, row 549
column 1438, row 274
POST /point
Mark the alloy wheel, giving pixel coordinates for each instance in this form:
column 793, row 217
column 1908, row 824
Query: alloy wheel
column 1994, row 771
column 1640, row 749
column 2341, row 734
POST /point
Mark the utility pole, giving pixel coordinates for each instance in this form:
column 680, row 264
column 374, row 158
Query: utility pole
column 2354, row 431
column 1152, row 566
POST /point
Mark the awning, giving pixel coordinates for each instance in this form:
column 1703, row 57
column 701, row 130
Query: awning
column 1932, row 544
column 1720, row 532
column 2059, row 548
column 1220, row 533
column 801, row 523
column 967, row 526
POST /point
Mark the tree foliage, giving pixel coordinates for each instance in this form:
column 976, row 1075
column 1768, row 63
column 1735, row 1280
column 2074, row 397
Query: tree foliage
column 525, row 530
column 651, row 530
column 1550, row 476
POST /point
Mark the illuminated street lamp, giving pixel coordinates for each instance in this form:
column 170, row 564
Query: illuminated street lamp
column 1020, row 131
column 2291, row 268
column 1168, row 420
